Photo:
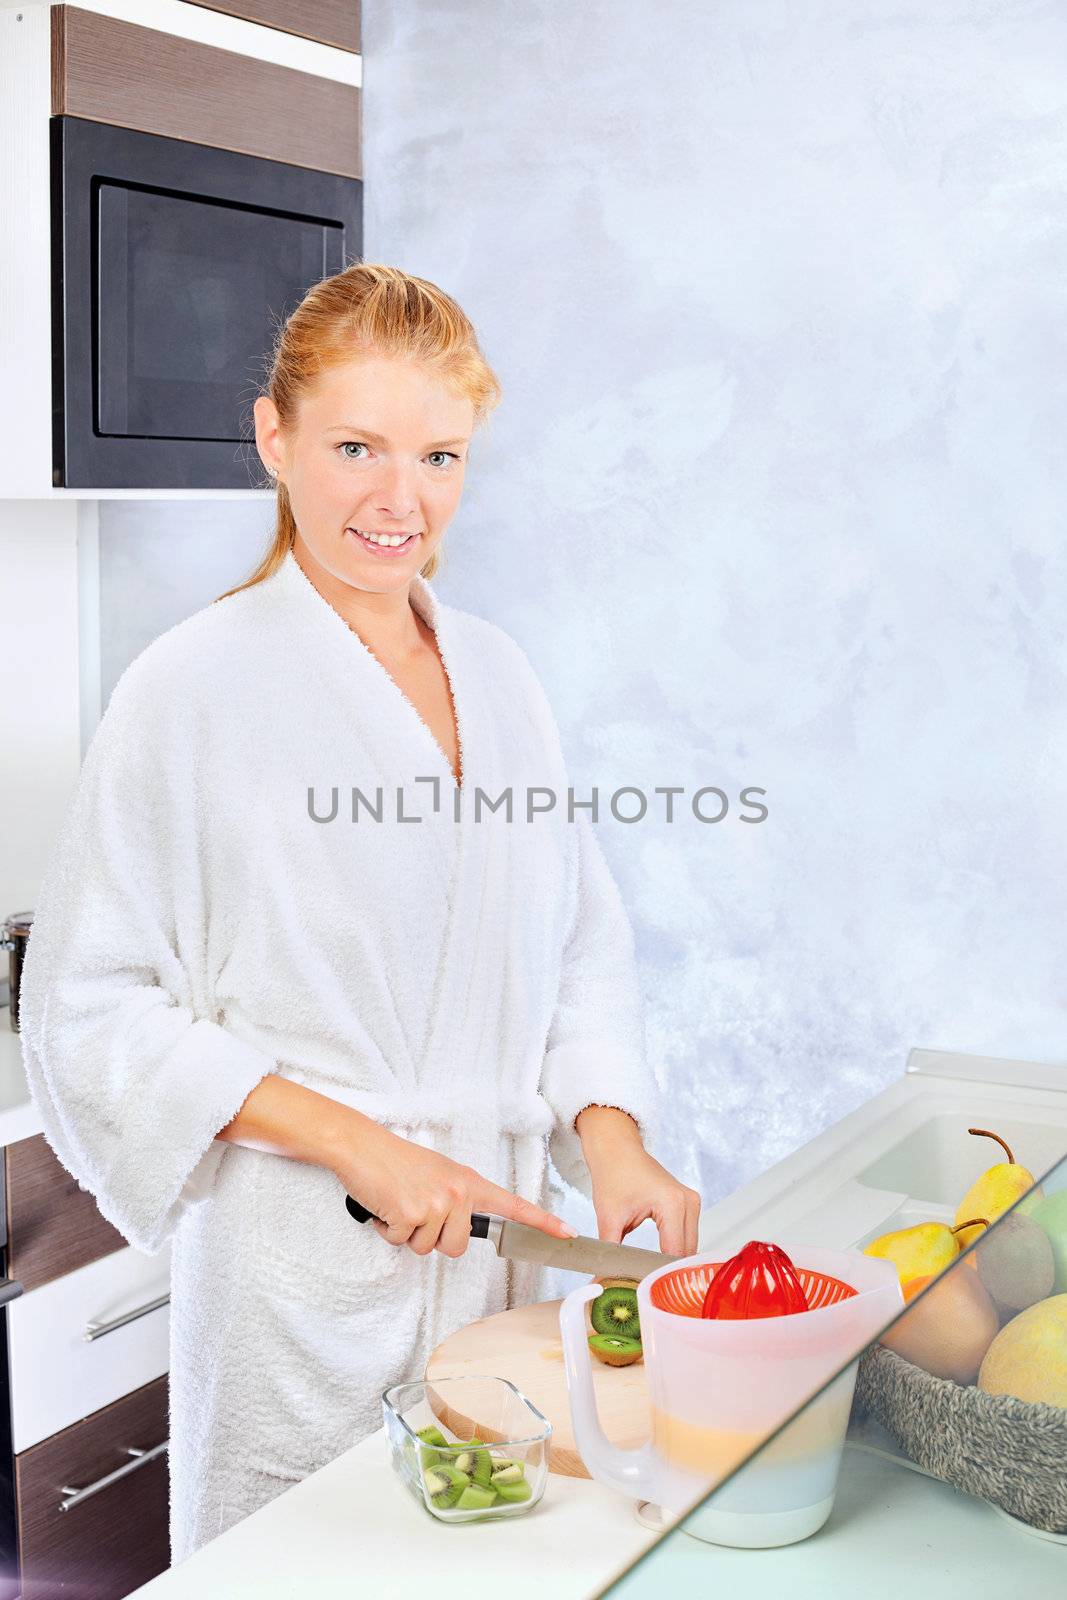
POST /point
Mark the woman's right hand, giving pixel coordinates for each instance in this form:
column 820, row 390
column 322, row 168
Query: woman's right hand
column 425, row 1199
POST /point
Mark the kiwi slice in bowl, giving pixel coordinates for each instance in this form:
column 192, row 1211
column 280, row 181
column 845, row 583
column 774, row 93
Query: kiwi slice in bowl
column 432, row 1437
column 615, row 1311
column 444, row 1485
column 475, row 1498
column 509, row 1472
column 615, row 1350
column 514, row 1491
column 475, row 1461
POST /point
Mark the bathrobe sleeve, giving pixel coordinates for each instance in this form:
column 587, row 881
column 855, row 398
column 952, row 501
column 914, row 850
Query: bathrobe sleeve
column 595, row 1052
column 131, row 1080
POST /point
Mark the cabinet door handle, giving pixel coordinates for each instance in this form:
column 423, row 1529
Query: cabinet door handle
column 9, row 1290
column 96, row 1330
column 74, row 1497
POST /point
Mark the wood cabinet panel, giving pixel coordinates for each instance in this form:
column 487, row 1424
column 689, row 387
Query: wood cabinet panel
column 134, row 77
column 53, row 1225
column 116, row 1539
column 333, row 22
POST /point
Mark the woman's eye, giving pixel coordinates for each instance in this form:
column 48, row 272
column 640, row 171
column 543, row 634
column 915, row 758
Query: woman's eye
column 351, row 444
column 439, row 457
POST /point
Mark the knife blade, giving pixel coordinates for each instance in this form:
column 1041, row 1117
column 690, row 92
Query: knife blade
column 601, row 1257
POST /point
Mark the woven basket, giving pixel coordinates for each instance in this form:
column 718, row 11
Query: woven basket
column 1003, row 1450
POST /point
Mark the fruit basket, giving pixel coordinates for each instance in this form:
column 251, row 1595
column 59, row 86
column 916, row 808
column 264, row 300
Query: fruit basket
column 1003, row 1450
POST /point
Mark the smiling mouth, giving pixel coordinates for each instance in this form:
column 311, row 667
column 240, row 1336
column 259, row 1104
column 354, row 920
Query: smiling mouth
column 389, row 544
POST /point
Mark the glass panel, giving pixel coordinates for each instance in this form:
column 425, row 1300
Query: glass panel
column 190, row 294
column 948, row 1458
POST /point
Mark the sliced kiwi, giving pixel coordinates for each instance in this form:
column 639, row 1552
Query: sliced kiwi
column 428, row 1455
column 444, row 1484
column 475, row 1498
column 615, row 1350
column 615, row 1311
column 475, row 1461
column 514, row 1491
column 511, row 1473
column 433, row 1435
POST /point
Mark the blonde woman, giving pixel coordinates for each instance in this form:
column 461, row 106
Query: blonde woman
column 280, row 955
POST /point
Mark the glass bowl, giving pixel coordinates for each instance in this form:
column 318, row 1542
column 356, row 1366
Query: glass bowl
column 503, row 1476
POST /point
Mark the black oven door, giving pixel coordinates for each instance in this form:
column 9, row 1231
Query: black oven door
column 174, row 265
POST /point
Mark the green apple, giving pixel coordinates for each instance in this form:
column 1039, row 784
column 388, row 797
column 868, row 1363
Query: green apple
column 1050, row 1214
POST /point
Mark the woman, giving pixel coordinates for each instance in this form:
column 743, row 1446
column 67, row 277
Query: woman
column 256, row 983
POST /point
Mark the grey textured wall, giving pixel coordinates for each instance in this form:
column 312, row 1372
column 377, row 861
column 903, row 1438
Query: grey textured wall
column 775, row 496
column 162, row 560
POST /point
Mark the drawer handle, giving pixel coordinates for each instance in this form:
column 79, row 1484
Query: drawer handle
column 9, row 1290
column 141, row 1459
column 96, row 1330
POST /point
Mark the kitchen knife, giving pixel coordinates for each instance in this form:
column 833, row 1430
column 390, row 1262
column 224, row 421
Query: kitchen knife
column 601, row 1257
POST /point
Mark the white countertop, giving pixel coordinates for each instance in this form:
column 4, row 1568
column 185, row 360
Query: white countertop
column 354, row 1529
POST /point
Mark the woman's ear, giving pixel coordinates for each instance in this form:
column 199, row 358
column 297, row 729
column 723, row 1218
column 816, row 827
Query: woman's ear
column 268, row 435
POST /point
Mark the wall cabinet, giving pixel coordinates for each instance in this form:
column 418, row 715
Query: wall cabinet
column 329, row 21
column 149, row 303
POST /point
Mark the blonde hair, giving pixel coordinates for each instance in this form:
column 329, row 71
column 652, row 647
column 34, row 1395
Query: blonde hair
column 369, row 309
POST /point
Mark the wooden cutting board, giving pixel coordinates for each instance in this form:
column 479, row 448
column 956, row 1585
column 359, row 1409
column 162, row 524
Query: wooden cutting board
column 524, row 1345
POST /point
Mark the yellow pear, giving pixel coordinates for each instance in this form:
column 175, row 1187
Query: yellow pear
column 919, row 1252
column 995, row 1192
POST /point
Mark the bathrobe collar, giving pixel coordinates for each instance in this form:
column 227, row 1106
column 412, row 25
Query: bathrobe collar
column 292, row 577
column 299, row 596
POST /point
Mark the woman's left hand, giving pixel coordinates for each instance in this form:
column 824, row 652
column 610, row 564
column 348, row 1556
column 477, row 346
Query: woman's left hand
column 630, row 1186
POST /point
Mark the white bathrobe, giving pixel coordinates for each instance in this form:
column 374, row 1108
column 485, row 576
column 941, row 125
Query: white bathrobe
column 469, row 984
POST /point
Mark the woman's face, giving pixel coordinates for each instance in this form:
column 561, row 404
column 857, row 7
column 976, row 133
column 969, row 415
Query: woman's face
column 379, row 448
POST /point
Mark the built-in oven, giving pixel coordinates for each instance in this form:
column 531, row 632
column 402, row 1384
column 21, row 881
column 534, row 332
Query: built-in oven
column 174, row 265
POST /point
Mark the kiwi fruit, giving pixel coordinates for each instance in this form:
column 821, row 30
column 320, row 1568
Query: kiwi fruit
column 615, row 1349
column 615, row 1311
column 444, row 1484
column 430, row 1436
column 514, row 1491
column 475, row 1498
column 510, row 1472
column 476, row 1462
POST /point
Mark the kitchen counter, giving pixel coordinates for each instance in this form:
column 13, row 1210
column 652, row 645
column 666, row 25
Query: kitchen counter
column 354, row 1527
column 893, row 1530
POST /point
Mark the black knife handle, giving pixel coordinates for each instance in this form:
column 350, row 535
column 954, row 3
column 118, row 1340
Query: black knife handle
column 479, row 1219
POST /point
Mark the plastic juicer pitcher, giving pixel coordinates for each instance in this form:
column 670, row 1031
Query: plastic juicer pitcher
column 717, row 1388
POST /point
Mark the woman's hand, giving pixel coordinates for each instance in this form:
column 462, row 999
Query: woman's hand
column 630, row 1186
column 425, row 1199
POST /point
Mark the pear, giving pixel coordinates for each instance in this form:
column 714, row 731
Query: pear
column 1015, row 1263
column 1028, row 1357
column 995, row 1192
column 919, row 1252
column 1050, row 1213
column 949, row 1329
